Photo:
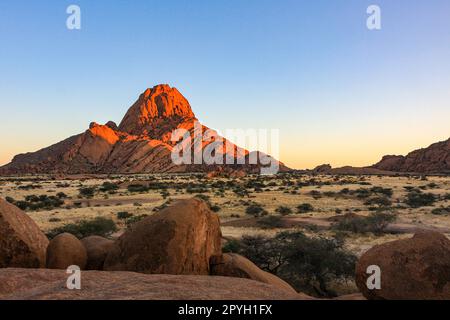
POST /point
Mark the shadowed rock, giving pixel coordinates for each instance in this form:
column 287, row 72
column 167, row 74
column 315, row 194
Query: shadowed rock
column 66, row 250
column 43, row 284
column 97, row 248
column 415, row 268
column 177, row 240
column 22, row 243
column 234, row 265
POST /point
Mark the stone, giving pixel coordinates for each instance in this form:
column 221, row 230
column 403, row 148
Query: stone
column 179, row 239
column 66, row 250
column 22, row 243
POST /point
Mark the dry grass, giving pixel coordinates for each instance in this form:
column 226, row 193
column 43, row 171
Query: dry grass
column 232, row 207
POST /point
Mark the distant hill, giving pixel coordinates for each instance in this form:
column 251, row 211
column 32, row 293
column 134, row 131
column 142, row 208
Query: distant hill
column 432, row 160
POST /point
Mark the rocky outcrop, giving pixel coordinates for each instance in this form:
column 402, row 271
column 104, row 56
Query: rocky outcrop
column 44, row 284
column 66, row 250
column 415, row 268
column 234, row 265
column 22, row 243
column 97, row 248
column 434, row 159
column 142, row 143
column 177, row 240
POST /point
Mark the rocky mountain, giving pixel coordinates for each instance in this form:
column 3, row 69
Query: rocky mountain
column 141, row 143
column 434, row 159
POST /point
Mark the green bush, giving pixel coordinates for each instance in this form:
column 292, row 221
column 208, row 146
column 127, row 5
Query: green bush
column 416, row 199
column 109, row 187
column 86, row 192
column 305, row 208
column 231, row 246
column 123, row 215
column 132, row 220
column 138, row 188
column 255, row 210
column 283, row 210
column 310, row 265
column 35, row 203
column 270, row 222
column 441, row 211
column 376, row 223
column 381, row 201
column 99, row 227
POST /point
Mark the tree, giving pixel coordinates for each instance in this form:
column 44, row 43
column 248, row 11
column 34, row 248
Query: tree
column 308, row 264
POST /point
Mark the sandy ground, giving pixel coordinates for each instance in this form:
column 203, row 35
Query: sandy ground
column 277, row 191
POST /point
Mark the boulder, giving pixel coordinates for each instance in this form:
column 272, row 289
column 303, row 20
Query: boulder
column 22, row 243
column 414, row 268
column 97, row 249
column 234, row 265
column 179, row 239
column 44, row 284
column 66, row 250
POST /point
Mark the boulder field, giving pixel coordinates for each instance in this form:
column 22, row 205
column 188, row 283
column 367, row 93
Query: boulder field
column 176, row 254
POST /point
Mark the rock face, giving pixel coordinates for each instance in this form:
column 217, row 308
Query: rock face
column 66, row 250
column 43, row 284
column 177, row 240
column 234, row 265
column 416, row 268
column 434, row 159
column 22, row 244
column 97, row 248
column 142, row 143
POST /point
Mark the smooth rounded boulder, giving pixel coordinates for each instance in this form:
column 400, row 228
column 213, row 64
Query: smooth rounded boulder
column 417, row 268
column 66, row 250
column 97, row 248
column 179, row 239
column 22, row 243
column 235, row 265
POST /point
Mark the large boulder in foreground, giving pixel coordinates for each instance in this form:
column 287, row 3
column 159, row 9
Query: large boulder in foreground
column 235, row 265
column 415, row 268
column 66, row 250
column 177, row 240
column 22, row 243
column 97, row 248
column 43, row 284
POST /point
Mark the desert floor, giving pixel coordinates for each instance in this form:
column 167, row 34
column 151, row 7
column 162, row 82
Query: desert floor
column 231, row 198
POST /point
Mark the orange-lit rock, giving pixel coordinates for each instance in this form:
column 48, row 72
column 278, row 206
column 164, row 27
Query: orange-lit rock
column 142, row 143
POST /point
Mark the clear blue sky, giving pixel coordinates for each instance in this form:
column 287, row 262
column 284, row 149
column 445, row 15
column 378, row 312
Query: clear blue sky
column 339, row 93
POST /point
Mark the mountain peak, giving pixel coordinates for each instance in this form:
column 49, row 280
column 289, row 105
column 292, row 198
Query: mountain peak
column 154, row 105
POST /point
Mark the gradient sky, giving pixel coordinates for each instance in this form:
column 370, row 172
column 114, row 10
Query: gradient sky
column 339, row 93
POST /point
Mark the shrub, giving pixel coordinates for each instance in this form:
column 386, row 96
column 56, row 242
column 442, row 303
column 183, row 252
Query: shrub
column 382, row 201
column 284, row 211
column 308, row 264
column 132, row 220
column 123, row 215
column 34, row 203
column 10, row 200
column 376, row 223
column 86, row 192
column 441, row 211
column 99, row 227
column 384, row 191
column 416, row 199
column 305, row 208
column 135, row 188
column 271, row 222
column 231, row 246
column 109, row 187
column 255, row 210
column 215, row 208
column 61, row 195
